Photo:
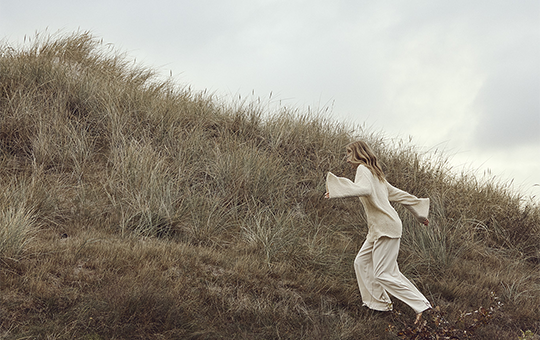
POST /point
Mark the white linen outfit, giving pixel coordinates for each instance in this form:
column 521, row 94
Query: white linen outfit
column 376, row 267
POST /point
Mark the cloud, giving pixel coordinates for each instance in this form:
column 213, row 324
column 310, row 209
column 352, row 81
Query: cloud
column 509, row 100
column 510, row 111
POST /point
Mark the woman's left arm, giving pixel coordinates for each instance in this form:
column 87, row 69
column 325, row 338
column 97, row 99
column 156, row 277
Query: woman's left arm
column 419, row 207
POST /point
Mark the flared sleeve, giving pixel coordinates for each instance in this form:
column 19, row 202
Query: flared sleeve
column 419, row 207
column 340, row 187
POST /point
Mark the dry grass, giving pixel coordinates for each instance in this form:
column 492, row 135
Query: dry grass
column 131, row 208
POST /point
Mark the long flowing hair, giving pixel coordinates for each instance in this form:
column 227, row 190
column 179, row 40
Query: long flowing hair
column 360, row 153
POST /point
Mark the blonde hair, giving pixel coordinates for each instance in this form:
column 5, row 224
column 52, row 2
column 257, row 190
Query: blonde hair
column 360, row 153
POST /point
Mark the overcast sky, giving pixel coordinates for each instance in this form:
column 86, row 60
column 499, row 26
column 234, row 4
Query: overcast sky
column 462, row 75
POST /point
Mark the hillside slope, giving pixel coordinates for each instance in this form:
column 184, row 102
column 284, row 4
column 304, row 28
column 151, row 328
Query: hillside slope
column 132, row 208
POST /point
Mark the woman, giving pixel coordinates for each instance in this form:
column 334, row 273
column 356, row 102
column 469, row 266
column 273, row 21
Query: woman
column 376, row 265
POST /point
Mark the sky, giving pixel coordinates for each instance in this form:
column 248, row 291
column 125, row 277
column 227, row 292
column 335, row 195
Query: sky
column 461, row 77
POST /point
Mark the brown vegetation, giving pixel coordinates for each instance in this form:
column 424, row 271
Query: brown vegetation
column 131, row 208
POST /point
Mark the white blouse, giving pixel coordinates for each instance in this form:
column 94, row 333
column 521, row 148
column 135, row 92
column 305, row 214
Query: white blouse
column 376, row 196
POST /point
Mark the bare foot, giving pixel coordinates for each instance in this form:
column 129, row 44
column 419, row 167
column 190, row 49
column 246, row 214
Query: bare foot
column 418, row 318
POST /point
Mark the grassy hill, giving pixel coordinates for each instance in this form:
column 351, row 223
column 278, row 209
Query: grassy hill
column 132, row 208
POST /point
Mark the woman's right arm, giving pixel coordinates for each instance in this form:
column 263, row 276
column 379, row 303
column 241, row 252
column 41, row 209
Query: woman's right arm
column 340, row 187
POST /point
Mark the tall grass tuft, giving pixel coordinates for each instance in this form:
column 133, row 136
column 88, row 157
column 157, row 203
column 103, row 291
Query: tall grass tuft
column 18, row 220
column 17, row 227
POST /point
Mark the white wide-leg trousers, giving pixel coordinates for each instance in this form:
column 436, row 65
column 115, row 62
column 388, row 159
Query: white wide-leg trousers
column 378, row 275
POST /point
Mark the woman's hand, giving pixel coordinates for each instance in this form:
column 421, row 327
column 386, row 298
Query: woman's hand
column 422, row 220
